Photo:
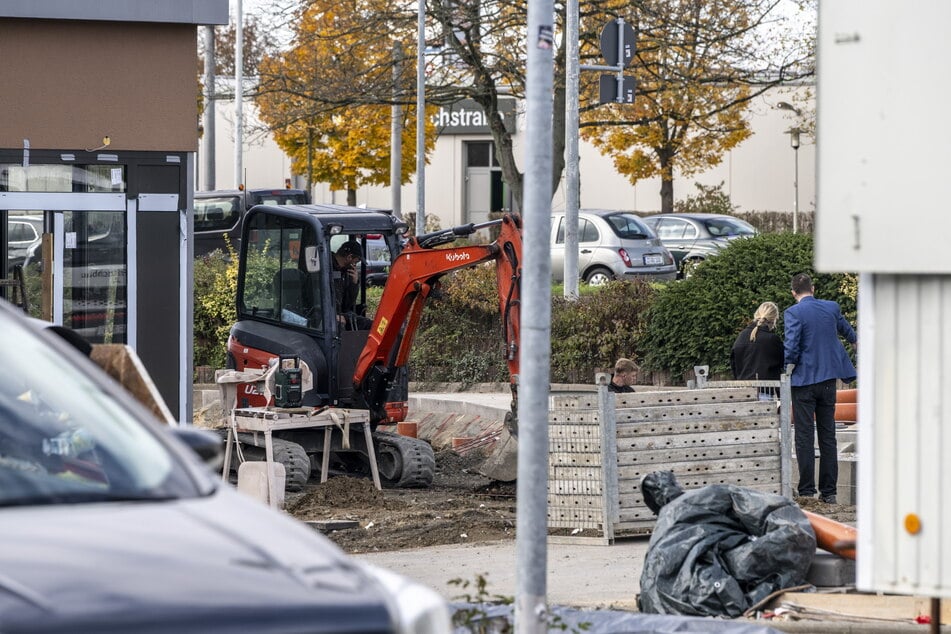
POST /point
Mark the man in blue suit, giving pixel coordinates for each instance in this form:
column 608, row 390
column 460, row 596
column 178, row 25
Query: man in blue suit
column 812, row 329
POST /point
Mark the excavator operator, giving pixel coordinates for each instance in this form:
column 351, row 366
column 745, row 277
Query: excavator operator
column 346, row 283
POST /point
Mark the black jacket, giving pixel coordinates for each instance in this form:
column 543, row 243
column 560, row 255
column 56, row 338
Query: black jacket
column 757, row 360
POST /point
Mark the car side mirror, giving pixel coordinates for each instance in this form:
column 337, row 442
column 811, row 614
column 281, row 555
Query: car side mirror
column 207, row 444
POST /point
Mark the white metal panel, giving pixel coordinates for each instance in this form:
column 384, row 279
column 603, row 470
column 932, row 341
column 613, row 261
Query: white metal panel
column 903, row 438
column 158, row 202
column 883, row 133
column 63, row 201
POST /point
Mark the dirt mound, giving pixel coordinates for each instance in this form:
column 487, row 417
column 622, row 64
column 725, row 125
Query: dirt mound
column 337, row 494
column 461, row 507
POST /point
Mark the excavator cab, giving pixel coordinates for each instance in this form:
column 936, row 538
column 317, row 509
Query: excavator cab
column 297, row 296
column 290, row 302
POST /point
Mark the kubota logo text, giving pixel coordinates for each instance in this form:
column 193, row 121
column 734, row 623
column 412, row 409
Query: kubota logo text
column 457, row 257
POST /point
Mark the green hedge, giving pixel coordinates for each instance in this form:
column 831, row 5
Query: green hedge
column 695, row 321
column 667, row 328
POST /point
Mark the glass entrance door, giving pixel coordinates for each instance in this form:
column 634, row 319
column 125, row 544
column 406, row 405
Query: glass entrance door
column 95, row 275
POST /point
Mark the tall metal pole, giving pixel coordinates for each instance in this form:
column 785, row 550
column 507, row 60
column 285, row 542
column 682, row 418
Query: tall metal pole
column 573, row 172
column 535, row 351
column 421, row 118
column 795, row 213
column 238, row 94
column 208, row 138
column 396, row 137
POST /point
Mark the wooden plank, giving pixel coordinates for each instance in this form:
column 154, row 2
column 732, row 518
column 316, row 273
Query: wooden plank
column 665, row 429
column 682, row 441
column 700, row 411
column 575, row 446
column 560, row 472
column 658, row 457
column 763, row 481
column 574, row 432
column 565, row 517
column 588, row 416
column 586, row 502
column 691, row 424
column 575, row 487
column 579, row 540
column 588, row 400
column 639, row 525
column 653, row 398
column 700, row 467
column 899, row 608
column 575, row 459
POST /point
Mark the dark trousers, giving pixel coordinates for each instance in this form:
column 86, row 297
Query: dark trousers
column 814, row 413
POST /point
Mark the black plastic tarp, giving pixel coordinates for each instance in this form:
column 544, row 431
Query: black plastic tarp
column 720, row 549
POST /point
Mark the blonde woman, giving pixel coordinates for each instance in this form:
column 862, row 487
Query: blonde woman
column 758, row 351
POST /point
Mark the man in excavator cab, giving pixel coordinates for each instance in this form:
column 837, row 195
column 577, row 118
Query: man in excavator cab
column 346, row 285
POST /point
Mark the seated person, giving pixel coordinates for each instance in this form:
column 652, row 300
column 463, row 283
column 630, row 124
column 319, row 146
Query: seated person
column 346, row 283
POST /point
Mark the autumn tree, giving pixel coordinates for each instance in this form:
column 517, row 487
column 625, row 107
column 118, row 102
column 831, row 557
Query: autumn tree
column 327, row 98
column 698, row 65
column 699, row 62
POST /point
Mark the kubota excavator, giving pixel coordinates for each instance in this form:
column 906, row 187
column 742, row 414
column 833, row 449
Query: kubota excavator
column 289, row 303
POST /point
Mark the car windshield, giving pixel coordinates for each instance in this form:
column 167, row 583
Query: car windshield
column 729, row 227
column 65, row 440
column 628, row 226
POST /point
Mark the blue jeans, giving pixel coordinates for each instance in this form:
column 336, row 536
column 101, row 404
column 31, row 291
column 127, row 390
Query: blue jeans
column 814, row 414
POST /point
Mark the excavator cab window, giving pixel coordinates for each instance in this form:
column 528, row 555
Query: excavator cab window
column 277, row 284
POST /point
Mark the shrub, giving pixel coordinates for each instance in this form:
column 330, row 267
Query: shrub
column 710, row 200
column 215, row 280
column 460, row 338
column 588, row 335
column 695, row 321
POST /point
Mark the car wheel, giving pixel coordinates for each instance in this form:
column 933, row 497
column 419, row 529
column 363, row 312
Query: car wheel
column 598, row 276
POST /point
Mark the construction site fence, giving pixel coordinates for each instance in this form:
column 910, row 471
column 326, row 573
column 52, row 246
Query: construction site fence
column 601, row 444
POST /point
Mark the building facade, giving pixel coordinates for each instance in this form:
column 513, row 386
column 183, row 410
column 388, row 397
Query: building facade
column 97, row 147
column 464, row 182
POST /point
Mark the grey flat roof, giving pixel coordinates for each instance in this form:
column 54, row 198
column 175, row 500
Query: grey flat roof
column 169, row 11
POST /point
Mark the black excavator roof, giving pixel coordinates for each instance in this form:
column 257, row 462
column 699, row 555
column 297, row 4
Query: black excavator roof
column 351, row 219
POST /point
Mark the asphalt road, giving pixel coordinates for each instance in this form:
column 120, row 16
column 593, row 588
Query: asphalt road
column 579, row 575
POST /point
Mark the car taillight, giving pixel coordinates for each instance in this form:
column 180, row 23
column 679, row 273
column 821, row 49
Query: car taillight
column 625, row 257
column 374, row 236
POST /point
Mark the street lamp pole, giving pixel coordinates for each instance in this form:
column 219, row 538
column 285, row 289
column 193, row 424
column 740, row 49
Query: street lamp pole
column 794, row 141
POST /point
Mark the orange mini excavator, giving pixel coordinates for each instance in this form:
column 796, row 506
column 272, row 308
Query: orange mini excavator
column 297, row 298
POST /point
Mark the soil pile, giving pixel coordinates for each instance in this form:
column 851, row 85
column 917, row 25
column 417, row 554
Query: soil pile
column 461, row 507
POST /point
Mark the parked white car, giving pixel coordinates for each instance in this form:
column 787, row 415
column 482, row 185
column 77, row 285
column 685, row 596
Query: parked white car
column 110, row 523
column 611, row 245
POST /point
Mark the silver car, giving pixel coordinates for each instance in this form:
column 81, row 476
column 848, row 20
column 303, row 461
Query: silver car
column 109, row 523
column 694, row 237
column 611, row 245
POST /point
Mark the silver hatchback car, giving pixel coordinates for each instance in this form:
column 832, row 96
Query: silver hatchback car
column 611, row 245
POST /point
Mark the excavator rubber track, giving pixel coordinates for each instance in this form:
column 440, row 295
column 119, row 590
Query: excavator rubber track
column 290, row 454
column 404, row 462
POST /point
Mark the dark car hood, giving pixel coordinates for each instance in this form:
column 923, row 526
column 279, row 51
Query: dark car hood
column 217, row 564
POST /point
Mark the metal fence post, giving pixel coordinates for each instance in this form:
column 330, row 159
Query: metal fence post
column 610, row 494
column 785, row 435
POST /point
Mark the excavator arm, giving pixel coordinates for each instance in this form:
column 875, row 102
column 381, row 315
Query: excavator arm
column 413, row 276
